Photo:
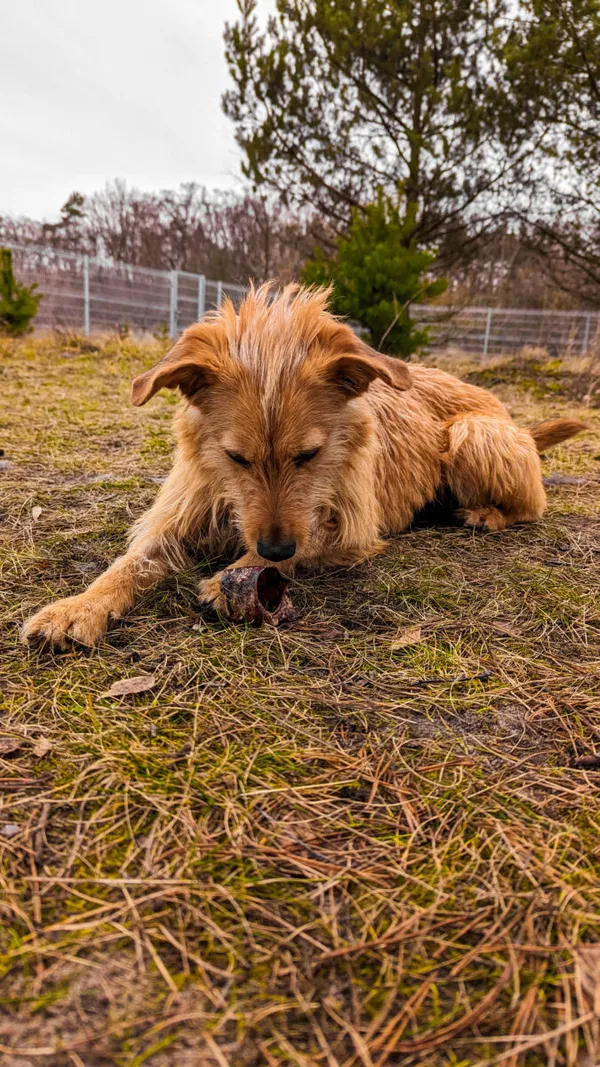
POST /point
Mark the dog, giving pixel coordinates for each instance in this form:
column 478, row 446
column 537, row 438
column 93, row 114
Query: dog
column 298, row 444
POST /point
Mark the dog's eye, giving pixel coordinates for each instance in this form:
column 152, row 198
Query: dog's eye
column 241, row 460
column 305, row 457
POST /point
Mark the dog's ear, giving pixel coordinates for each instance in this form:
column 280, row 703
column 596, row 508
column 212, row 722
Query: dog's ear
column 196, row 362
column 346, row 361
column 353, row 373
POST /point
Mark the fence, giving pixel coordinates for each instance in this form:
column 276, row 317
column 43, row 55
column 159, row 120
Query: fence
column 86, row 293
column 487, row 331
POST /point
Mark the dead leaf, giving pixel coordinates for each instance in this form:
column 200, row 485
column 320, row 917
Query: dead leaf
column 36, row 512
column 410, row 636
column 42, row 747
column 10, row 829
column 140, row 684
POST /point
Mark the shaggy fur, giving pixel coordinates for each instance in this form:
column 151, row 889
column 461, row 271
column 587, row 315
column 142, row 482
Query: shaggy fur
column 295, row 439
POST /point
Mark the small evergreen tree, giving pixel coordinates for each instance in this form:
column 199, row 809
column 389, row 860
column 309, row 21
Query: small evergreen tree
column 376, row 275
column 18, row 303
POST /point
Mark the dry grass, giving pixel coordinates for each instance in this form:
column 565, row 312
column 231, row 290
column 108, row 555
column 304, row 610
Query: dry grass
column 307, row 847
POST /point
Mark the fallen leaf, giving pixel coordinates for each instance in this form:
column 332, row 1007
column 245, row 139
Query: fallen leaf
column 140, row 684
column 410, row 636
column 8, row 745
column 42, row 747
column 9, row 829
column 36, row 512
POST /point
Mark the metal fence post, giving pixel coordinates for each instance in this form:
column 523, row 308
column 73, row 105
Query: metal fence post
column 219, row 294
column 486, row 339
column 173, row 306
column 86, row 295
column 201, row 295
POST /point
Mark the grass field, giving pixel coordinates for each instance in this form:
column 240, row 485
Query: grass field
column 364, row 840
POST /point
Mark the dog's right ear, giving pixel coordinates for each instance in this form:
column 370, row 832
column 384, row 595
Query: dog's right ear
column 348, row 363
column 353, row 372
column 196, row 362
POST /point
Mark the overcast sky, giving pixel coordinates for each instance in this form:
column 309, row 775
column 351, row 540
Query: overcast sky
column 117, row 89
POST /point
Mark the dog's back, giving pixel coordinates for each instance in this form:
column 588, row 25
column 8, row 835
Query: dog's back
column 446, row 396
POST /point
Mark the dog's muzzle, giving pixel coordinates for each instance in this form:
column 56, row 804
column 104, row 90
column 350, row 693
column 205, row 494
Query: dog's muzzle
column 276, row 551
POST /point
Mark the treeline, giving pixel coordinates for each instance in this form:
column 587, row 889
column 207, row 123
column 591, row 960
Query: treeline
column 236, row 237
column 223, row 235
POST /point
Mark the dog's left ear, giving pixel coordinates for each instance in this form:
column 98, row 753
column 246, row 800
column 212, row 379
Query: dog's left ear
column 353, row 373
column 194, row 364
column 350, row 364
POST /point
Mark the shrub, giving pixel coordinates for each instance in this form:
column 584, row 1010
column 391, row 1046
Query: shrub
column 377, row 273
column 18, row 303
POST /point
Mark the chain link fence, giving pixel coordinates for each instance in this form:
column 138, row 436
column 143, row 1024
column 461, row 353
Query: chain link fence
column 90, row 294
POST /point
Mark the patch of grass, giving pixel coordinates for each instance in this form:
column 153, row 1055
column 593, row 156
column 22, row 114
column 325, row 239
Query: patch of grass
column 304, row 847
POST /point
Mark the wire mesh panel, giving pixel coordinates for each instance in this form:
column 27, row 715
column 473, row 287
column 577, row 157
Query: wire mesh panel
column 128, row 297
column 445, row 327
column 214, row 295
column 87, row 293
column 59, row 277
column 190, row 299
column 496, row 331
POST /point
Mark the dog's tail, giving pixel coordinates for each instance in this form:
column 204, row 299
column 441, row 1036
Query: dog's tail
column 553, row 431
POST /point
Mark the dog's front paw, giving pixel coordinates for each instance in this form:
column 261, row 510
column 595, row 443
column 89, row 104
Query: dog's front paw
column 82, row 618
column 209, row 593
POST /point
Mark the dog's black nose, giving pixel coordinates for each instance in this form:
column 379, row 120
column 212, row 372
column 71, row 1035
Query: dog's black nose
column 276, row 551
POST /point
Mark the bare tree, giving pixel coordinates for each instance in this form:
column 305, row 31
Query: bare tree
column 223, row 235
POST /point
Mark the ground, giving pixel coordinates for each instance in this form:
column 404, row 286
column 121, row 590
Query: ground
column 365, row 840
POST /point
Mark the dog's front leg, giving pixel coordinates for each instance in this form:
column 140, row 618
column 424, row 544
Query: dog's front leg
column 86, row 617
column 156, row 550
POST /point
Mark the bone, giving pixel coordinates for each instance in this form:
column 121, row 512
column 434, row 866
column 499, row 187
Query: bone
column 257, row 595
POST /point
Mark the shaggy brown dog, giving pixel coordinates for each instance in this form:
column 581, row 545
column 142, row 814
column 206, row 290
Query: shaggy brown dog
column 299, row 444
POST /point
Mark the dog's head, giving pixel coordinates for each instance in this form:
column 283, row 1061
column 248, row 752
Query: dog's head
column 276, row 391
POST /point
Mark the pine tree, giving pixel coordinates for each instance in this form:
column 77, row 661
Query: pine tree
column 376, row 275
column 18, row 303
column 332, row 101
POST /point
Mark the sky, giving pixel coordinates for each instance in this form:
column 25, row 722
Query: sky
column 129, row 89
